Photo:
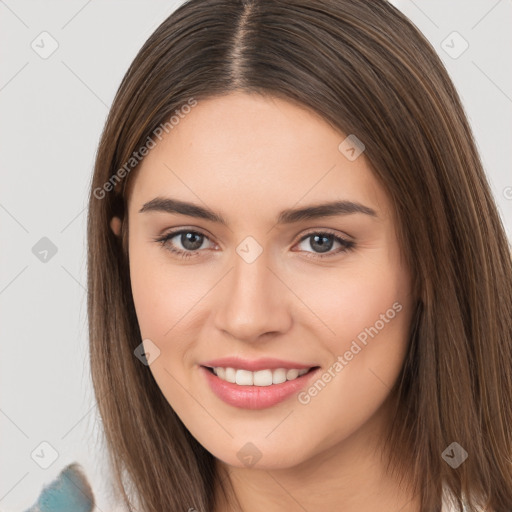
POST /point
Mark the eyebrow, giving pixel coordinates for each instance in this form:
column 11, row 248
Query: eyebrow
column 288, row 216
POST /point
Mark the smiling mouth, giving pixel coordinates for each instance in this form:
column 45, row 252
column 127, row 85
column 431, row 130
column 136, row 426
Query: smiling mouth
column 266, row 377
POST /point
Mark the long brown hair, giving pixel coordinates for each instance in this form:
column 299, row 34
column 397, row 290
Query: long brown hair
column 367, row 70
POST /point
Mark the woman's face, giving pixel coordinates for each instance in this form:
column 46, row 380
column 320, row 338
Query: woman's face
column 271, row 289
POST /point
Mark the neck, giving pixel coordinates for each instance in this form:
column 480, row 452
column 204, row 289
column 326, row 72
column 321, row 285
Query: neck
column 350, row 476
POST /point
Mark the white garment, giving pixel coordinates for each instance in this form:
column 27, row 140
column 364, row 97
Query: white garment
column 447, row 507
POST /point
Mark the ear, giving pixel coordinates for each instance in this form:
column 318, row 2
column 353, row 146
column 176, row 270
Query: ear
column 115, row 225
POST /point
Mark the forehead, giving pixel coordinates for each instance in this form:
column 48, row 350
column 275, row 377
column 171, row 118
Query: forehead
column 246, row 151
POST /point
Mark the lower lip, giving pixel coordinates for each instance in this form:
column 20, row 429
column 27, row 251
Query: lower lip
column 255, row 397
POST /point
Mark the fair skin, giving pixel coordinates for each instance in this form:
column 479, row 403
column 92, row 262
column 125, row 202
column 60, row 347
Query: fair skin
column 248, row 158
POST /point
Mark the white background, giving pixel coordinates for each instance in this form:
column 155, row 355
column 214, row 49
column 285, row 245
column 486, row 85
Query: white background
column 52, row 114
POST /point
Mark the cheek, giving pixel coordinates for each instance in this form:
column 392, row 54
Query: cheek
column 157, row 294
column 370, row 314
column 343, row 304
column 370, row 311
column 337, row 307
column 167, row 301
column 349, row 302
column 365, row 315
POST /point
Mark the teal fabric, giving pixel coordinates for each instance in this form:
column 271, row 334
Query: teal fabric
column 70, row 491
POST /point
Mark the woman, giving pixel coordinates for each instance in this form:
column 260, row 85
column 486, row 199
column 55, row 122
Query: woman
column 300, row 290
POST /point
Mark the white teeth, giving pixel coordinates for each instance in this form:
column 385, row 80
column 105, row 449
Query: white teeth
column 292, row 374
column 230, row 375
column 263, row 378
column 279, row 376
column 244, row 378
column 259, row 378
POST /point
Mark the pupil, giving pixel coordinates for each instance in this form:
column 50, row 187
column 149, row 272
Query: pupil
column 187, row 239
column 193, row 241
column 320, row 241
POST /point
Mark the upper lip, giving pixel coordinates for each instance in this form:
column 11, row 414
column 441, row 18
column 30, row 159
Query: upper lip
column 255, row 364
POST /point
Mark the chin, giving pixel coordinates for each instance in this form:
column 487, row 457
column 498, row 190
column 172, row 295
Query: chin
column 258, row 454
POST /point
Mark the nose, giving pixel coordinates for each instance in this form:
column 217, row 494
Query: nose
column 253, row 301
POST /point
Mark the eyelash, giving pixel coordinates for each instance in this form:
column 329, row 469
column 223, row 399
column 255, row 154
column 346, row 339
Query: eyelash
column 346, row 244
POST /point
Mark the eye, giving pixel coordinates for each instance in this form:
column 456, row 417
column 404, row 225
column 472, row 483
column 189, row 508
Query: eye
column 323, row 241
column 191, row 241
